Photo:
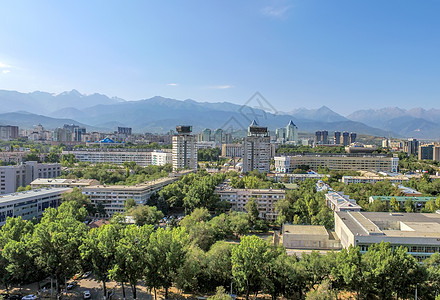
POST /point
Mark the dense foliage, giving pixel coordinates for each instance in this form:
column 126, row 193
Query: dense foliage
column 304, row 205
column 61, row 245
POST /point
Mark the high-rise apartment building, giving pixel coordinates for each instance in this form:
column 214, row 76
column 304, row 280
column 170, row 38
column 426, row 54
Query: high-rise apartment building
column 345, row 138
column 411, row 146
column 352, row 137
column 318, row 137
column 124, row 130
column 8, row 132
column 184, row 149
column 218, row 135
column 280, row 134
column 337, row 138
column 426, row 152
column 256, row 149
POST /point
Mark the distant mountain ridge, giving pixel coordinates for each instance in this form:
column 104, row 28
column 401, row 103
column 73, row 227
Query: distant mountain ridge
column 415, row 122
column 160, row 114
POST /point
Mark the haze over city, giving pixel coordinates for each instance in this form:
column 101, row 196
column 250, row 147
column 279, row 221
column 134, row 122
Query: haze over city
column 347, row 55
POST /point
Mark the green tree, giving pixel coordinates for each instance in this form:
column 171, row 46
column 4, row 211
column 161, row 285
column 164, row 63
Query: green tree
column 129, row 204
column 165, row 256
column 394, row 204
column 130, row 256
column 99, row 248
column 409, row 206
column 249, row 262
column 220, row 294
column 57, row 239
column 251, row 208
column 144, row 214
column 350, row 269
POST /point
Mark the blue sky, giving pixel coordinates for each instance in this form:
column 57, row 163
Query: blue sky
column 346, row 55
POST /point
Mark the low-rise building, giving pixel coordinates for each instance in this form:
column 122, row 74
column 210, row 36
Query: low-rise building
column 337, row 201
column 418, row 202
column 286, row 164
column 373, row 179
column 418, row 232
column 113, row 197
column 291, row 178
column 115, row 156
column 62, row 183
column 29, row 204
column 265, row 198
column 314, row 237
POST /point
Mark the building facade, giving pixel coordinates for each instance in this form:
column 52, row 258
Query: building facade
column 232, row 150
column 184, row 149
column 29, row 204
column 113, row 197
column 418, row 232
column 161, row 158
column 265, row 198
column 286, row 164
column 12, row 177
column 8, row 132
column 256, row 149
column 114, row 156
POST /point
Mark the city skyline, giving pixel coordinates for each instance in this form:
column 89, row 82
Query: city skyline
column 343, row 55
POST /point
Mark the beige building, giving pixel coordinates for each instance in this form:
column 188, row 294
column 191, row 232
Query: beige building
column 113, row 197
column 314, row 237
column 184, row 149
column 265, row 198
column 418, row 232
column 286, row 164
column 232, row 150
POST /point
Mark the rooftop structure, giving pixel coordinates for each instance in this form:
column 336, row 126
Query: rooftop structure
column 337, row 201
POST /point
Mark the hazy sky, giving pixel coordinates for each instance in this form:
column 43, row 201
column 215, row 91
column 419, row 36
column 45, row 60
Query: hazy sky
column 344, row 54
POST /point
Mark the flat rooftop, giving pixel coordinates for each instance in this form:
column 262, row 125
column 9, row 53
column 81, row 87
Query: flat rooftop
column 392, row 224
column 304, row 229
column 32, row 193
column 61, row 181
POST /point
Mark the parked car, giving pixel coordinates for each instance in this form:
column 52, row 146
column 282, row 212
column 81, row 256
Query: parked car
column 87, row 274
column 30, row 297
column 87, row 295
column 71, row 285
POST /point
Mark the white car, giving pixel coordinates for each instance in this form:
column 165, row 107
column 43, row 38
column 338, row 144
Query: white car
column 30, row 297
column 87, row 295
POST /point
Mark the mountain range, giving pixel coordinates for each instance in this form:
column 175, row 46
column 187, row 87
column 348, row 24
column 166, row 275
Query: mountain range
column 159, row 114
